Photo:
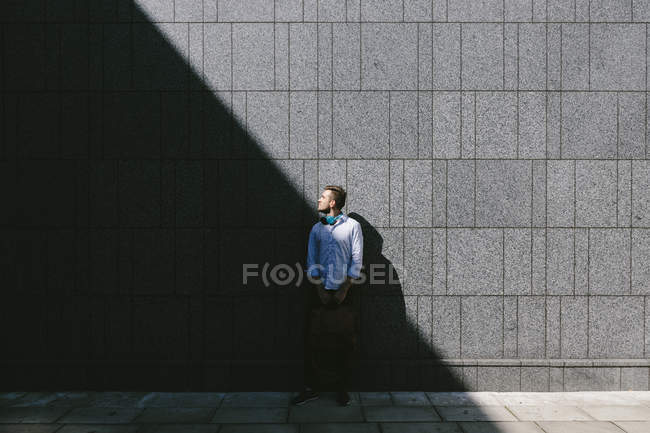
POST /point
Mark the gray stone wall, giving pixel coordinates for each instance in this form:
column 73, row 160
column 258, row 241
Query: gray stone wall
column 495, row 151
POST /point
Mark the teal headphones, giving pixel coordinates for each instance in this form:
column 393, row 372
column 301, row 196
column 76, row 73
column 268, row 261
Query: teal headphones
column 329, row 219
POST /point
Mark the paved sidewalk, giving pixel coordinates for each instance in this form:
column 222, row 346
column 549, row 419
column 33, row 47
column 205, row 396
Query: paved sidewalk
column 380, row 412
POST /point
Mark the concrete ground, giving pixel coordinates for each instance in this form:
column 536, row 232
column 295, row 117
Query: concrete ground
column 381, row 412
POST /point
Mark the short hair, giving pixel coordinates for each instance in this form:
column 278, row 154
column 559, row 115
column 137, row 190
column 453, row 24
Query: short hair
column 338, row 195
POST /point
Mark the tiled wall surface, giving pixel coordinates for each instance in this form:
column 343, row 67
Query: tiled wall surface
column 497, row 148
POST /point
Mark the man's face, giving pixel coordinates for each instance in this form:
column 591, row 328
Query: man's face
column 324, row 201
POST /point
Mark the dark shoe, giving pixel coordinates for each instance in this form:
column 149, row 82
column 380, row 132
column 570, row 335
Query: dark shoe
column 304, row 397
column 343, row 398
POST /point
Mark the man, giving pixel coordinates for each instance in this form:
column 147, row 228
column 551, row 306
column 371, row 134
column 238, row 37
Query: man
column 334, row 260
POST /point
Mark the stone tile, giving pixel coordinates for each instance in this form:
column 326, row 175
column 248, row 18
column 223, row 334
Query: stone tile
column 554, row 55
column 500, row 427
column 446, row 124
column 532, row 125
column 510, row 330
column 403, row 124
column 610, row 11
column 368, row 186
column 530, row 327
column 468, row 127
column 325, row 129
column 631, row 129
column 553, row 330
column 578, row 427
column 377, row 398
column 481, row 327
column 346, row 57
column 403, row 413
column 596, row 193
column 640, row 194
column 618, row 413
column 175, row 415
column 331, row 10
column 378, row 10
column 403, row 398
column 574, row 326
column 549, row 413
column 31, row 414
column 553, row 125
column 615, row 329
column 518, row 10
column 588, row 125
column 496, row 128
column 460, row 193
column 467, row 10
column 446, row 56
column 217, row 55
column 250, row 414
column 389, row 56
column 100, row 415
column 85, row 428
column 617, row 57
column 340, row 428
column 182, row 399
column 417, row 10
column 446, row 326
column 309, row 414
column 425, row 140
column 281, row 56
column 475, row 413
column 325, row 45
column 624, row 194
column 559, row 261
column 303, row 125
column 499, row 379
column 268, row 122
column 439, row 199
column 535, row 379
column 418, row 195
column 640, row 260
column 119, row 399
column 255, row 10
column 511, row 67
column 634, row 426
column 634, row 378
column 420, row 427
column 303, row 56
column 288, row 10
column 575, row 56
column 503, row 193
column 532, row 57
column 396, row 198
column 560, row 193
column 417, row 278
column 258, row 399
column 482, row 56
column 361, row 124
column 475, row 261
column 252, row 46
column 591, row 379
column 609, row 261
column 260, row 428
column 463, row 398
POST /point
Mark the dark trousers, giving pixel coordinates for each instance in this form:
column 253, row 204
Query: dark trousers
column 342, row 357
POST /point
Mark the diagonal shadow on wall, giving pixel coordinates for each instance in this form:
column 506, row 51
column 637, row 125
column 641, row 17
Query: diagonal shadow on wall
column 133, row 196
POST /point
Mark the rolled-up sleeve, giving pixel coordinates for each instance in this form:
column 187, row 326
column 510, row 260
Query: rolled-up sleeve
column 354, row 268
column 312, row 254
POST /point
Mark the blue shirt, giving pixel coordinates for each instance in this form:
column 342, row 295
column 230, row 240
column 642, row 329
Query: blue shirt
column 338, row 249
